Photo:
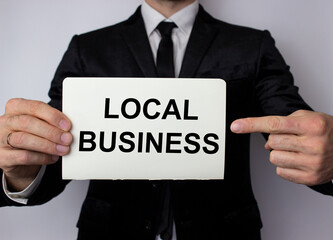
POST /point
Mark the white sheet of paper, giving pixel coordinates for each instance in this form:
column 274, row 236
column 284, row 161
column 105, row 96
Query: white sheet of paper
column 145, row 128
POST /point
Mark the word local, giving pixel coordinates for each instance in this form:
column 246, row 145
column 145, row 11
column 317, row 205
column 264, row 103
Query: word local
column 126, row 142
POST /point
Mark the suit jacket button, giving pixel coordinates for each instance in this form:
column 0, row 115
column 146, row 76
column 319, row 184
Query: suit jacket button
column 186, row 223
column 148, row 225
column 156, row 184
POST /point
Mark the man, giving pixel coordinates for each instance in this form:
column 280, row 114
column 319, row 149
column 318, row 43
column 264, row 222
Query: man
column 259, row 83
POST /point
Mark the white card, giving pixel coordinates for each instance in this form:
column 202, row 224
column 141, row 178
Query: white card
column 145, row 128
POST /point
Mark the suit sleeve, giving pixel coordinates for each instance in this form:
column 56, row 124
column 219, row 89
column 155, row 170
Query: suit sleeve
column 70, row 66
column 276, row 93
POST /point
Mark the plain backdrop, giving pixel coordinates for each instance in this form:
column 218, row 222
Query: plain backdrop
column 34, row 35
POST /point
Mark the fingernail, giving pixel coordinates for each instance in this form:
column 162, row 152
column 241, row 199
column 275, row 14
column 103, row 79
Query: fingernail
column 64, row 125
column 66, row 138
column 62, row 149
column 55, row 158
column 236, row 127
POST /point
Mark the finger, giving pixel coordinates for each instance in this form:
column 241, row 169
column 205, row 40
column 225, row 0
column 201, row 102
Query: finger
column 300, row 176
column 40, row 110
column 31, row 142
column 291, row 160
column 16, row 157
column 293, row 175
column 287, row 142
column 35, row 126
column 268, row 124
column 302, row 144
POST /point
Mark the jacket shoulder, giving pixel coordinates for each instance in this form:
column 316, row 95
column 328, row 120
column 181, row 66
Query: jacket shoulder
column 229, row 28
column 113, row 31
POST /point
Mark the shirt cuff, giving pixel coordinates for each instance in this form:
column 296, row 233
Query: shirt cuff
column 23, row 196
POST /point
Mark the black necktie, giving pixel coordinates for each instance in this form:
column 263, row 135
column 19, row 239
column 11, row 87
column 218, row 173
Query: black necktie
column 165, row 68
column 164, row 60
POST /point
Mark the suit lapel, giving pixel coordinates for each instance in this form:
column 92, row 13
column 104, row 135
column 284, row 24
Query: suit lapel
column 201, row 37
column 135, row 36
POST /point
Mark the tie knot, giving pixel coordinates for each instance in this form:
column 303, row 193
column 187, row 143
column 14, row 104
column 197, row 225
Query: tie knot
column 165, row 28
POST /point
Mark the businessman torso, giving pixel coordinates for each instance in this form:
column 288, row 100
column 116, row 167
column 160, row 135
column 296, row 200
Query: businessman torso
column 258, row 83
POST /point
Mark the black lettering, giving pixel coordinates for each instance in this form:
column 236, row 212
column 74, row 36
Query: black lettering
column 211, row 143
column 151, row 140
column 107, row 110
column 137, row 108
column 171, row 109
column 140, row 142
column 186, row 110
column 113, row 142
column 145, row 108
column 169, row 142
column 127, row 141
column 193, row 143
column 83, row 140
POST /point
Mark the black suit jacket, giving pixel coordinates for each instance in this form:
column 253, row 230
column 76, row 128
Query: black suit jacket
column 258, row 83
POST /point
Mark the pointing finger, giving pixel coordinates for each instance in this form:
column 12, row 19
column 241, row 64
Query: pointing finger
column 269, row 124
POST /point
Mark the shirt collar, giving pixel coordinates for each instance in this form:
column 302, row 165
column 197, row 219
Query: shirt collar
column 184, row 19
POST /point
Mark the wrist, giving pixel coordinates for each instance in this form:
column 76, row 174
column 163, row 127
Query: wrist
column 19, row 183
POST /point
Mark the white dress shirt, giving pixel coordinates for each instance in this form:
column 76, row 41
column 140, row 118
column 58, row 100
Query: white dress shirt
column 184, row 19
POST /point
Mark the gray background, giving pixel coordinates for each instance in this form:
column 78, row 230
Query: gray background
column 34, row 35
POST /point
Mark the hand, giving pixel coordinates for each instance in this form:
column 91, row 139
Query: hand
column 301, row 144
column 38, row 136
